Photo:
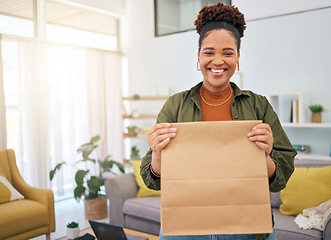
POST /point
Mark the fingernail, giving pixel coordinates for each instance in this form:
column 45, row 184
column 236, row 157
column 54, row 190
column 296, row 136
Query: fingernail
column 249, row 134
column 174, row 129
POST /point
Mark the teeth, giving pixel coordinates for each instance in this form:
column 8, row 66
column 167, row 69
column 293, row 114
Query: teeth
column 217, row 70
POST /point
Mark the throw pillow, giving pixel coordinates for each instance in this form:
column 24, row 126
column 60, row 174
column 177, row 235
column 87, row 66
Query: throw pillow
column 7, row 191
column 143, row 190
column 2, row 172
column 307, row 187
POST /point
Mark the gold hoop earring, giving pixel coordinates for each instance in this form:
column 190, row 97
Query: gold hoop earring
column 198, row 66
column 238, row 66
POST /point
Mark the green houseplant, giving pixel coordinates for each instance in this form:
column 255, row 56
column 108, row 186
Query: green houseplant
column 72, row 230
column 132, row 130
column 88, row 187
column 135, row 153
column 316, row 110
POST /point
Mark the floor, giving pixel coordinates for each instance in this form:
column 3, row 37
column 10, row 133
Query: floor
column 67, row 211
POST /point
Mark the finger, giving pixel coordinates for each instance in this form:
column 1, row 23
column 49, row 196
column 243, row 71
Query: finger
column 159, row 129
column 160, row 134
column 260, row 132
column 261, row 138
column 154, row 142
column 162, row 144
column 159, row 126
column 261, row 129
column 263, row 126
column 265, row 147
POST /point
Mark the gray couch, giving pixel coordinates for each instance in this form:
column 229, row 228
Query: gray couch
column 143, row 214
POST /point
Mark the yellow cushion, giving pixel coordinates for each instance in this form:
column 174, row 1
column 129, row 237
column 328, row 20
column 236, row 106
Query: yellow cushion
column 143, row 190
column 7, row 191
column 2, row 172
column 307, row 187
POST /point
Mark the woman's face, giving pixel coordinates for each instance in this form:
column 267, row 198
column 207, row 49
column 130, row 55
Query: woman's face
column 218, row 59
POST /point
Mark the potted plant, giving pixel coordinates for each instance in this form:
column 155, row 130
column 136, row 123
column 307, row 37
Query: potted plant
column 132, row 131
column 72, row 230
column 135, row 153
column 316, row 110
column 88, row 185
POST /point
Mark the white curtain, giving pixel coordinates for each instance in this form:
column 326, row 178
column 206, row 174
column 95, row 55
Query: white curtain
column 68, row 94
column 3, row 141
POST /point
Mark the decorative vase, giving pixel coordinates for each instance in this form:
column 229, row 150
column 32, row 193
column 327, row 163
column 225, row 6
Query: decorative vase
column 72, row 233
column 316, row 117
column 96, row 208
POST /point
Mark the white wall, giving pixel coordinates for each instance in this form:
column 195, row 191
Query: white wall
column 287, row 53
column 255, row 9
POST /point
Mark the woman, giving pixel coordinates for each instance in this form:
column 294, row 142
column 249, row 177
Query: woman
column 217, row 99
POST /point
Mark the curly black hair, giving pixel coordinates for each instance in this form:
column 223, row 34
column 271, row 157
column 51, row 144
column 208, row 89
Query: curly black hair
column 220, row 16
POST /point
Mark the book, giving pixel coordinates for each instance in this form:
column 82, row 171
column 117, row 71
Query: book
column 302, row 148
column 295, row 111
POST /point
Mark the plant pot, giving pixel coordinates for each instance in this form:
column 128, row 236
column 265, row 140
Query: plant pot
column 316, row 117
column 72, row 233
column 132, row 133
column 96, row 209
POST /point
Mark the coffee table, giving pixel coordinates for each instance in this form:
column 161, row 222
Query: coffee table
column 129, row 231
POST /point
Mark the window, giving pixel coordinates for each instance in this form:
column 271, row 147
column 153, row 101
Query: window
column 72, row 24
column 173, row 16
column 16, row 17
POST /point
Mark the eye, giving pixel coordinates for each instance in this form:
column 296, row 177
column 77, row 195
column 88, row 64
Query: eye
column 208, row 53
column 228, row 53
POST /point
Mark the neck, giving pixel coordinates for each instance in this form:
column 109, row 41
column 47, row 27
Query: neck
column 213, row 90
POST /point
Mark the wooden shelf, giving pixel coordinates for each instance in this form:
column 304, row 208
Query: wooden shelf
column 139, row 136
column 308, row 156
column 141, row 116
column 145, row 98
column 307, row 125
column 277, row 101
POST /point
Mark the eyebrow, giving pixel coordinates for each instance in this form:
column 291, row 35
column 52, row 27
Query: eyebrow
column 211, row 48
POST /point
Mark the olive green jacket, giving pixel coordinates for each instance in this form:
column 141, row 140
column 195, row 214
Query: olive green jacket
column 185, row 107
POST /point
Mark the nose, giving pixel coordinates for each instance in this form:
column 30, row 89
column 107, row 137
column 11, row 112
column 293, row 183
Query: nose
column 218, row 60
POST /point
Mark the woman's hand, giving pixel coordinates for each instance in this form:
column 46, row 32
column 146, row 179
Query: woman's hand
column 158, row 138
column 262, row 135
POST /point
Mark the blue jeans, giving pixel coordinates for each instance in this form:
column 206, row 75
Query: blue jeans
column 272, row 236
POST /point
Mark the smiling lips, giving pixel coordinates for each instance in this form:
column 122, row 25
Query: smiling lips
column 217, row 71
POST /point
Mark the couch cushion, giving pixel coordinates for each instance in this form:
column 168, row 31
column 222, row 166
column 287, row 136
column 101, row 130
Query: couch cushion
column 286, row 228
column 307, row 187
column 7, row 191
column 275, row 199
column 143, row 190
column 311, row 163
column 146, row 208
column 24, row 215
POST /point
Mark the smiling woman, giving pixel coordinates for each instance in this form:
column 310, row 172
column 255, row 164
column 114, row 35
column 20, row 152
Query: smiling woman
column 220, row 29
column 218, row 59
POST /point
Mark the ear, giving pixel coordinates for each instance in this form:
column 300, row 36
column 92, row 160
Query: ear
column 238, row 55
column 198, row 55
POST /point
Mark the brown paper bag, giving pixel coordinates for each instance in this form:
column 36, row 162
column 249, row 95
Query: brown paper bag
column 214, row 181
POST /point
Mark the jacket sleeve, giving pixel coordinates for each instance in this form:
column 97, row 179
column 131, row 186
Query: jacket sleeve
column 282, row 153
column 152, row 182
